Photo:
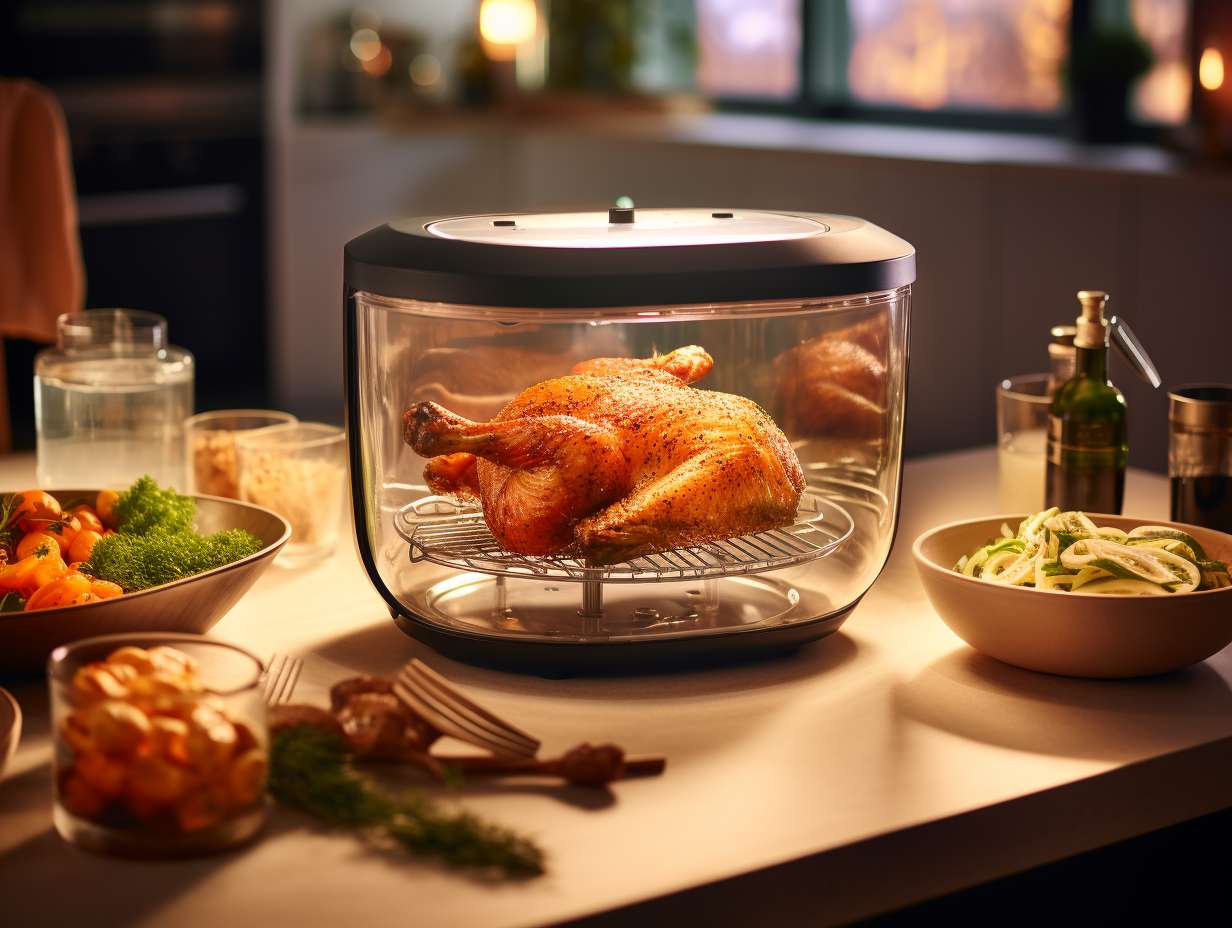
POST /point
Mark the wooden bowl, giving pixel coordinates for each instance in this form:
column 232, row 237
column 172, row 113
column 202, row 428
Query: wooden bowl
column 10, row 728
column 194, row 604
column 1074, row 634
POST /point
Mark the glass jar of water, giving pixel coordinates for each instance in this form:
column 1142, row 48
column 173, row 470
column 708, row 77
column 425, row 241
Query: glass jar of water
column 110, row 402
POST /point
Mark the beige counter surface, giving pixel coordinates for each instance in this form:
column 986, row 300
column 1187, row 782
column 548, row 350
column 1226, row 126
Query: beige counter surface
column 878, row 767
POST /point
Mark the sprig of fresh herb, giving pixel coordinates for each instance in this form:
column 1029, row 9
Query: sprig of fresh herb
column 309, row 771
column 8, row 519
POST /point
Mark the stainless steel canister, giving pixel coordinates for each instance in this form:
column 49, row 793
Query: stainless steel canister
column 1200, row 454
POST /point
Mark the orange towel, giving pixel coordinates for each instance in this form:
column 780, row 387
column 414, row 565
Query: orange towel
column 41, row 274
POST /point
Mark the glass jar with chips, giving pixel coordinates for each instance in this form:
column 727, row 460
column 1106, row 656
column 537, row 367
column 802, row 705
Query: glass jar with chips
column 161, row 746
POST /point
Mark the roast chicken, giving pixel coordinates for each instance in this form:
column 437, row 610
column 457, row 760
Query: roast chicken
column 835, row 385
column 618, row 459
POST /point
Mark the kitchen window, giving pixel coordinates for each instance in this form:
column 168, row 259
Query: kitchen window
column 995, row 63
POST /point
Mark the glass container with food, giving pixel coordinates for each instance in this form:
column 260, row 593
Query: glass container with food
column 621, row 438
column 211, row 446
column 298, row 471
column 160, row 744
column 110, row 400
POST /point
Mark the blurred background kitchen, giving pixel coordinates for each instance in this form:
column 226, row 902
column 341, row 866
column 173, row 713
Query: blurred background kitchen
column 224, row 151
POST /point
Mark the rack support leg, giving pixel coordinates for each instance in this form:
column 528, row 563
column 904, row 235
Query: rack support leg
column 592, row 605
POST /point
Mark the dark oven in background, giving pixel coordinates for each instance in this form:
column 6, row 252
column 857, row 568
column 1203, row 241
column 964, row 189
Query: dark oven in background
column 164, row 104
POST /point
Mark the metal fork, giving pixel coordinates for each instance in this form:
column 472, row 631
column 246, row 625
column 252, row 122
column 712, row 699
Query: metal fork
column 453, row 714
column 281, row 675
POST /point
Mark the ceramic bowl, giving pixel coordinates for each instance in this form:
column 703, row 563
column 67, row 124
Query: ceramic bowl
column 1074, row 634
column 194, row 604
column 10, row 728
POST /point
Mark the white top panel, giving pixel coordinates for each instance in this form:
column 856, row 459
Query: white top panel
column 634, row 228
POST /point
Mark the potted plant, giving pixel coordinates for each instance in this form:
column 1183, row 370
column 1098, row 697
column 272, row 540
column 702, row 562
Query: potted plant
column 1100, row 73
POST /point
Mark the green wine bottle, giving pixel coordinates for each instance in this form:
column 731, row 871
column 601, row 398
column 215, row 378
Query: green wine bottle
column 1087, row 440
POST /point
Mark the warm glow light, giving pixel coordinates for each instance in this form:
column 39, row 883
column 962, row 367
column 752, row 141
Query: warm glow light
column 1210, row 69
column 990, row 54
column 365, row 44
column 425, row 70
column 378, row 65
column 1163, row 95
column 507, row 22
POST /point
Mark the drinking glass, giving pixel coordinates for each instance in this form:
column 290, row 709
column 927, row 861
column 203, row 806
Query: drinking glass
column 212, row 466
column 298, row 471
column 1022, row 441
column 1200, row 454
column 161, row 744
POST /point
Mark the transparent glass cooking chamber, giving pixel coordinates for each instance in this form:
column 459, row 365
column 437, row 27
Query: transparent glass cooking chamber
column 831, row 372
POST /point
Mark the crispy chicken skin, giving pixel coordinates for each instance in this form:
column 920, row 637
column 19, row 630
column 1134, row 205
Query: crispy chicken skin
column 618, row 459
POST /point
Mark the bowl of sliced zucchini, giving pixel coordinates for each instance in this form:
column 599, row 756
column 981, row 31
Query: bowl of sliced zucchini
column 1081, row 594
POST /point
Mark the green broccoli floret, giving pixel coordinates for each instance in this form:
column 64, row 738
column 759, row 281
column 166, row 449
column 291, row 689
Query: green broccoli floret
column 146, row 507
column 138, row 562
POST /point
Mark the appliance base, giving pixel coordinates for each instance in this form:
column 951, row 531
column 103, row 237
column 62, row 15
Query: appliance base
column 556, row 659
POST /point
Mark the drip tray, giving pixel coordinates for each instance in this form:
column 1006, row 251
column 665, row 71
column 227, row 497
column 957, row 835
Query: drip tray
column 486, row 604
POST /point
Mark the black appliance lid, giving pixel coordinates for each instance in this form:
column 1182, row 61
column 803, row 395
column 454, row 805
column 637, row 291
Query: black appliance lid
column 627, row 257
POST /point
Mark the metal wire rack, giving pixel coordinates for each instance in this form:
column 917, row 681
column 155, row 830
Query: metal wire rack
column 443, row 531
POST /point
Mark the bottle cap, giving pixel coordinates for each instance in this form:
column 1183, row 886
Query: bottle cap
column 1061, row 352
column 1062, row 335
column 1093, row 330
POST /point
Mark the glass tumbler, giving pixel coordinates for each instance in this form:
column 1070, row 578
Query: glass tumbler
column 1022, row 439
column 212, row 468
column 161, row 745
column 1200, row 454
column 298, row 471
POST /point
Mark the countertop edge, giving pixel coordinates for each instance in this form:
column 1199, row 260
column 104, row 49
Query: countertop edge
column 897, row 869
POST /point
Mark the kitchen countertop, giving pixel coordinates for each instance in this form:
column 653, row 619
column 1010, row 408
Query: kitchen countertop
column 881, row 766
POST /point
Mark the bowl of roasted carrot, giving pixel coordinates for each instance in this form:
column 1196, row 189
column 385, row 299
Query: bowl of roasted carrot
column 80, row 563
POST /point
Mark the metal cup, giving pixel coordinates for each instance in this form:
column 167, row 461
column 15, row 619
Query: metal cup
column 1200, row 454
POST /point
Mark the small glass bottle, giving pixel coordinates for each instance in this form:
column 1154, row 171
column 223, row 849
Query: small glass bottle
column 1087, row 436
column 110, row 402
column 1060, row 355
column 1087, row 443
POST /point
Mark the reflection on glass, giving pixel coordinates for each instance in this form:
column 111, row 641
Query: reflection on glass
column 748, row 48
column 1163, row 95
column 986, row 54
column 834, row 385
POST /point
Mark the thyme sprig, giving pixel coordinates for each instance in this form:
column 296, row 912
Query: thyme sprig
column 309, row 771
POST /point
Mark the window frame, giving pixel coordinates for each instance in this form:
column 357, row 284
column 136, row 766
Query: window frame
column 810, row 104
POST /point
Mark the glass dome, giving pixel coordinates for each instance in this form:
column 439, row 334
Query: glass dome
column 829, row 368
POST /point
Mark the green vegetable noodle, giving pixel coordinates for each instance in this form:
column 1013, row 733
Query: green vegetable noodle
column 155, row 541
column 1066, row 551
